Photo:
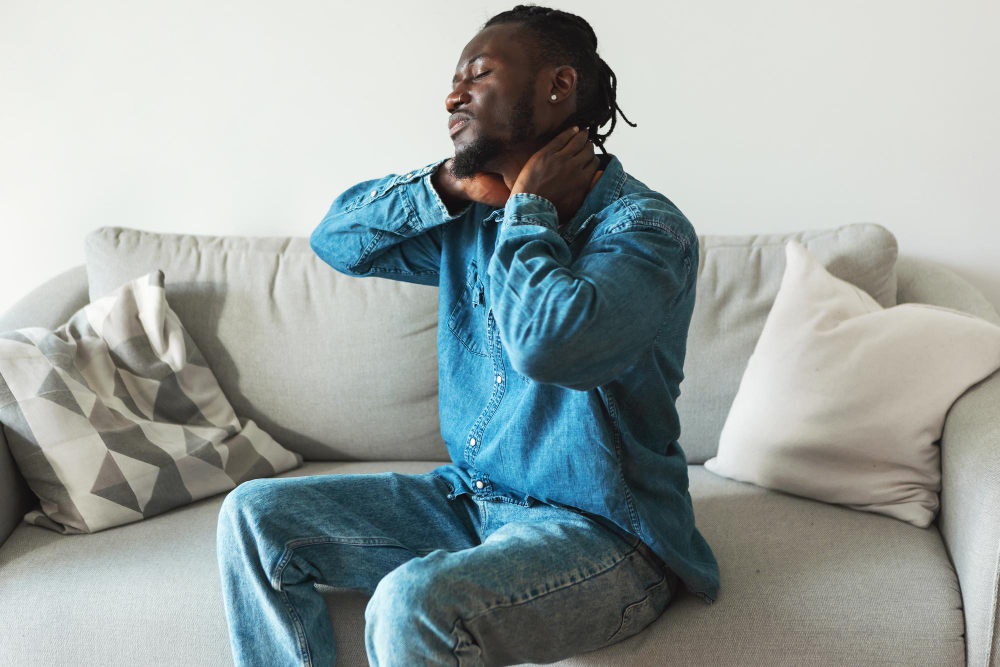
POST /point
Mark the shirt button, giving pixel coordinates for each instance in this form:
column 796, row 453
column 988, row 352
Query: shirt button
column 499, row 379
column 479, row 484
column 472, row 441
column 374, row 192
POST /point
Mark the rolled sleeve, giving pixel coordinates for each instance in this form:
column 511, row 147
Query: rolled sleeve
column 427, row 202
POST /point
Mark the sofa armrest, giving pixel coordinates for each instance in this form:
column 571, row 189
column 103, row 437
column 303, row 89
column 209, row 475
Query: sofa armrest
column 970, row 466
column 49, row 305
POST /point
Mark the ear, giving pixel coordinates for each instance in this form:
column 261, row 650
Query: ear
column 564, row 81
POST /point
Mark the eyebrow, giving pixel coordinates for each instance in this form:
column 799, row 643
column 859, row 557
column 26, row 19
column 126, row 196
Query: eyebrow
column 470, row 61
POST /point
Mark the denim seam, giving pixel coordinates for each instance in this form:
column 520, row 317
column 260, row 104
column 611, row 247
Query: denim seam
column 299, row 629
column 633, row 606
column 633, row 515
column 292, row 545
column 507, row 500
column 505, row 605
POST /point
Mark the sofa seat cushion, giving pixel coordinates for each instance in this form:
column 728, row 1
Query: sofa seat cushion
column 803, row 583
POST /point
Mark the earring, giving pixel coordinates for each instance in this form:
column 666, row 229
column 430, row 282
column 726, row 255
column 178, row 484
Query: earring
column 553, row 97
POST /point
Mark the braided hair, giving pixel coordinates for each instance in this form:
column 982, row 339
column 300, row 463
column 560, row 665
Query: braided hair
column 554, row 37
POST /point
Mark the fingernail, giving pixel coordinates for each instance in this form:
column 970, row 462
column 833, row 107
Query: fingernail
column 576, row 128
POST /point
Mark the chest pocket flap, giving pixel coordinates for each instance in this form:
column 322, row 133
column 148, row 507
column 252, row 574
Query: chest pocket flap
column 468, row 315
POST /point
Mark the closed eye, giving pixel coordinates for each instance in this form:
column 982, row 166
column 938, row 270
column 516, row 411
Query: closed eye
column 479, row 76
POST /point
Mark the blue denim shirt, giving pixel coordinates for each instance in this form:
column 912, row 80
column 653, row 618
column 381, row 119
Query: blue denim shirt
column 560, row 349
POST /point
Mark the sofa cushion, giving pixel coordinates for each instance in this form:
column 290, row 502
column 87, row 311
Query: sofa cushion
column 844, row 401
column 803, row 583
column 114, row 417
column 333, row 367
column 738, row 279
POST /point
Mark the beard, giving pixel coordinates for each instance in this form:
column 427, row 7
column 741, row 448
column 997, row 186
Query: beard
column 482, row 152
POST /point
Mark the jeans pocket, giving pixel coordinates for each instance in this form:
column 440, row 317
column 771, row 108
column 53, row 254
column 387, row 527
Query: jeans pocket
column 638, row 615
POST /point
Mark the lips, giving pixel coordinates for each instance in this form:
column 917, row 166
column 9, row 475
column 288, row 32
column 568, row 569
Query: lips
column 456, row 123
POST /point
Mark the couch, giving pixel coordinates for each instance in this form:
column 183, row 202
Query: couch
column 803, row 582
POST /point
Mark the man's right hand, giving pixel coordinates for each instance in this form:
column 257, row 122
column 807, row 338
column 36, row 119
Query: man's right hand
column 485, row 187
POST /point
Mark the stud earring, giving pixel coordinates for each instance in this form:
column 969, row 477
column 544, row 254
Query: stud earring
column 553, row 97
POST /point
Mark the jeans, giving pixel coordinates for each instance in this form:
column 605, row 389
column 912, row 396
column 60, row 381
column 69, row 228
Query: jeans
column 460, row 581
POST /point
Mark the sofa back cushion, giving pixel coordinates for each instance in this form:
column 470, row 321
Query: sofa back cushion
column 738, row 280
column 337, row 368
column 332, row 367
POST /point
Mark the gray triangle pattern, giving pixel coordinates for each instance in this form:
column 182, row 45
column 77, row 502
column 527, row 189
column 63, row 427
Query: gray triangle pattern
column 244, row 462
column 168, row 492
column 193, row 353
column 131, row 441
column 173, row 405
column 15, row 335
column 33, row 463
column 202, row 449
column 112, row 485
column 54, row 389
column 137, row 356
column 52, row 345
column 122, row 393
column 65, row 364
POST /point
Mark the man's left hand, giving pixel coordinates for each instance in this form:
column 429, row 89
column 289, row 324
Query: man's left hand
column 562, row 171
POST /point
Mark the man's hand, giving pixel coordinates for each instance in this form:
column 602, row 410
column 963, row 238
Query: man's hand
column 562, row 171
column 484, row 186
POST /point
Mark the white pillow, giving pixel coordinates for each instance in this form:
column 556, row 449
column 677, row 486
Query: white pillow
column 844, row 401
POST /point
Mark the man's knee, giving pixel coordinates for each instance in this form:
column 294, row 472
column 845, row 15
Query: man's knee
column 411, row 596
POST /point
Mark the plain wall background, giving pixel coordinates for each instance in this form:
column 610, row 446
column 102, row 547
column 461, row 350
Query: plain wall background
column 250, row 117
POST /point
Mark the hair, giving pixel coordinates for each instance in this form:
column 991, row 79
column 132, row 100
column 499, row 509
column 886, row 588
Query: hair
column 554, row 37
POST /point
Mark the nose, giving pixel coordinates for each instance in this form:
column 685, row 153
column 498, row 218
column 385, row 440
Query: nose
column 455, row 98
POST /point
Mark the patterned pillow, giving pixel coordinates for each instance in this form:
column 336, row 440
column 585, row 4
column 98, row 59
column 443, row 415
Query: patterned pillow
column 115, row 417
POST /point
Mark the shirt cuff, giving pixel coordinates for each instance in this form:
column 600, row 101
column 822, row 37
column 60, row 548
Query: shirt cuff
column 527, row 208
column 431, row 209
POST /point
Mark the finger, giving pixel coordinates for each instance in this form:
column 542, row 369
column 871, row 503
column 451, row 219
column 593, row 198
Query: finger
column 578, row 145
column 565, row 138
column 583, row 155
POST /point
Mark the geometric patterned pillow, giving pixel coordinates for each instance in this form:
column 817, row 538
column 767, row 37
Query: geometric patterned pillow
column 115, row 416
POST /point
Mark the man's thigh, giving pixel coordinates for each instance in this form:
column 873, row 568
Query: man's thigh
column 347, row 530
column 546, row 584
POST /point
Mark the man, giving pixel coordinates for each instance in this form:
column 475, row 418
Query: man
column 563, row 523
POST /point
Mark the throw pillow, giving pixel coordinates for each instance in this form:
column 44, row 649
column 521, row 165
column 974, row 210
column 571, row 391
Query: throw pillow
column 114, row 416
column 738, row 278
column 844, row 401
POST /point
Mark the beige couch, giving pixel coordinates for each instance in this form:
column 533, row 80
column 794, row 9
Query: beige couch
column 803, row 582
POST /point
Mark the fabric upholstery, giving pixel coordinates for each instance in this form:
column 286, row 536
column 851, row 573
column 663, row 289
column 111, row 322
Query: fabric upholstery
column 332, row 367
column 48, row 305
column 844, row 401
column 803, row 583
column 969, row 503
column 113, row 416
column 970, row 466
column 738, row 278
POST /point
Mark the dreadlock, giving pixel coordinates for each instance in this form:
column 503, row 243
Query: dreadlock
column 554, row 38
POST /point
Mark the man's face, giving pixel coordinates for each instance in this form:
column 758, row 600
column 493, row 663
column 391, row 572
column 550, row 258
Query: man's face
column 498, row 94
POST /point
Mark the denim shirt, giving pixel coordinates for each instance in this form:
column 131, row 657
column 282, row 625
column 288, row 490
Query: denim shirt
column 560, row 348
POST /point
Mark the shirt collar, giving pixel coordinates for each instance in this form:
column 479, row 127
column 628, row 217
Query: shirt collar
column 604, row 193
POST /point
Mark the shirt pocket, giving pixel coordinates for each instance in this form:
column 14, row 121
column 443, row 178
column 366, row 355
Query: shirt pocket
column 468, row 314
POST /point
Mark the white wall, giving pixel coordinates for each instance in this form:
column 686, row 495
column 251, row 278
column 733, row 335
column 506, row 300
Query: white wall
column 250, row 117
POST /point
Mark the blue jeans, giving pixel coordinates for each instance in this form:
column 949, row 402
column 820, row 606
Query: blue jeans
column 461, row 581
